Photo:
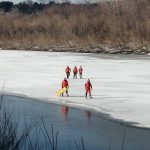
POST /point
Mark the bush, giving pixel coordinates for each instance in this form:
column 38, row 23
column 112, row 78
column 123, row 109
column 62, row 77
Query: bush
column 112, row 22
column 6, row 6
column 15, row 137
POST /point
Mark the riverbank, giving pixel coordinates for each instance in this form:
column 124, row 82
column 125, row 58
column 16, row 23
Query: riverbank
column 93, row 110
column 120, row 84
column 83, row 28
column 121, row 49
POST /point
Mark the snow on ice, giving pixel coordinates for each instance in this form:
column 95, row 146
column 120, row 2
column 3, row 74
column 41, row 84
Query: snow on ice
column 121, row 84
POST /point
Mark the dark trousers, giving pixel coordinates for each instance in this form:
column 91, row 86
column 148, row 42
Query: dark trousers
column 80, row 75
column 68, row 75
column 88, row 91
column 75, row 75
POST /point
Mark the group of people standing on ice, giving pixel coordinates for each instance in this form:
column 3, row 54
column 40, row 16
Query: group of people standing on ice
column 75, row 72
column 88, row 85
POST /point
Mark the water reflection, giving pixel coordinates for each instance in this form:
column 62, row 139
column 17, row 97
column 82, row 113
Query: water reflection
column 98, row 133
column 65, row 111
column 88, row 114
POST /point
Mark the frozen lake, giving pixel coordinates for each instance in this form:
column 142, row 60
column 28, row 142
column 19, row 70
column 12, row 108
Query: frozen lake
column 121, row 84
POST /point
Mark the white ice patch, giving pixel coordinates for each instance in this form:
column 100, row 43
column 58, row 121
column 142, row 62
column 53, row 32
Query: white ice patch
column 121, row 85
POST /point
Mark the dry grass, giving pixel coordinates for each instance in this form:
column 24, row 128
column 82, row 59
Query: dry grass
column 126, row 22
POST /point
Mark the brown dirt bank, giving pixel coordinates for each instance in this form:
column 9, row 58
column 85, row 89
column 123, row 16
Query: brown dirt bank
column 122, row 49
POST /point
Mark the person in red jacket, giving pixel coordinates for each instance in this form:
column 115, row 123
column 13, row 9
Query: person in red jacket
column 75, row 72
column 66, row 85
column 88, row 87
column 80, row 72
column 67, row 70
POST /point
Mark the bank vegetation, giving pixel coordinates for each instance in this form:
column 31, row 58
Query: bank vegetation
column 110, row 24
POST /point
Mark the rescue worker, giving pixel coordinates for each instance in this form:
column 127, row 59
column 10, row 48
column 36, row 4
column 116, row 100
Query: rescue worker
column 88, row 87
column 66, row 85
column 68, row 70
column 75, row 72
column 80, row 72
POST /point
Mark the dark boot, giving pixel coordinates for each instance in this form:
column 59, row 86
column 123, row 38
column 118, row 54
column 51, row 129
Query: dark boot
column 86, row 94
column 67, row 93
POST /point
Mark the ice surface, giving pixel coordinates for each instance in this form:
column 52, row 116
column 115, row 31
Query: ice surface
column 121, row 85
